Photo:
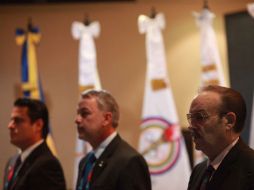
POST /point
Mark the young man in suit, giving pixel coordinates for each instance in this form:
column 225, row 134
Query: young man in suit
column 216, row 119
column 35, row 167
column 116, row 166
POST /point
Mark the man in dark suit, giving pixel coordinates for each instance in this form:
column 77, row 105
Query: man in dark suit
column 116, row 165
column 35, row 167
column 216, row 119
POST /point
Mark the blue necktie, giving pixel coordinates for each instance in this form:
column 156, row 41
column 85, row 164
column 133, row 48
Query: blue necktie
column 86, row 178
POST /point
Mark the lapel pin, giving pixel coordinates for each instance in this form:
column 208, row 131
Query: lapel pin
column 101, row 164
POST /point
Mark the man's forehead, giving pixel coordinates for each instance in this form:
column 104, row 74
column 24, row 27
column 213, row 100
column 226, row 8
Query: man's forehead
column 86, row 103
column 205, row 100
column 198, row 111
column 19, row 110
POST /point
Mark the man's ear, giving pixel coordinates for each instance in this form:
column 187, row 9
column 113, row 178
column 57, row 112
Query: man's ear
column 107, row 118
column 38, row 125
column 230, row 119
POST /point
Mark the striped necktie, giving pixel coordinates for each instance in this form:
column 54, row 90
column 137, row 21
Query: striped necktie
column 14, row 172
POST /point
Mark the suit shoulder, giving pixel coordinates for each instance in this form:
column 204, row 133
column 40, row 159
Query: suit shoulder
column 200, row 165
column 43, row 158
column 127, row 150
column 246, row 156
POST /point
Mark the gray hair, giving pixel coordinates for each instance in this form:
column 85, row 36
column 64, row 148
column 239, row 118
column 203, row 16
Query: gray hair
column 105, row 102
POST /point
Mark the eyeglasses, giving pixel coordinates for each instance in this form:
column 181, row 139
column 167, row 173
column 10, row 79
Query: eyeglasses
column 197, row 117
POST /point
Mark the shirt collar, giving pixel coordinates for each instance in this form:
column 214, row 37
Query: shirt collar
column 30, row 149
column 100, row 149
column 217, row 161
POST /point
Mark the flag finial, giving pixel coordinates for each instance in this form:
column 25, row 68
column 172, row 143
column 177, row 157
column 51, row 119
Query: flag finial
column 205, row 6
column 87, row 20
column 29, row 24
column 153, row 12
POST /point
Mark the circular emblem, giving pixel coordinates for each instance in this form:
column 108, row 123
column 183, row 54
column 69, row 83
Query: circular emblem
column 159, row 144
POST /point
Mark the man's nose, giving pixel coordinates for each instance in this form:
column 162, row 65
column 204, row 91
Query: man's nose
column 10, row 125
column 77, row 119
column 189, row 128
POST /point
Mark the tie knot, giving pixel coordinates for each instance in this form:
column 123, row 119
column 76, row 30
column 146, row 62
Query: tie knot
column 91, row 157
column 18, row 162
column 210, row 169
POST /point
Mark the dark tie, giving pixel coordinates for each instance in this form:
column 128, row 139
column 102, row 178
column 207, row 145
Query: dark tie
column 14, row 172
column 87, row 173
column 206, row 177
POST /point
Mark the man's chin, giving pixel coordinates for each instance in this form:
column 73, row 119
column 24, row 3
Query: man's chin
column 198, row 143
column 197, row 147
column 82, row 137
column 12, row 140
column 15, row 143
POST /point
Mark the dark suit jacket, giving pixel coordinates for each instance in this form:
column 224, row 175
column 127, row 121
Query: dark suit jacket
column 120, row 167
column 40, row 171
column 235, row 172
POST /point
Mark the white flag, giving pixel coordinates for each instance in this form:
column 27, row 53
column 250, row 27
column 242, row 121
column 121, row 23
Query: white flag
column 212, row 72
column 88, row 74
column 250, row 8
column 161, row 141
column 251, row 141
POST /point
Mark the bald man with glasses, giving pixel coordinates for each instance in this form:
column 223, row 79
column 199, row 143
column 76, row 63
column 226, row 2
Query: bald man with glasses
column 216, row 119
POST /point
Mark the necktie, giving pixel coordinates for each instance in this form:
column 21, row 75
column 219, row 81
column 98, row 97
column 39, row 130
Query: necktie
column 14, row 172
column 206, row 177
column 86, row 178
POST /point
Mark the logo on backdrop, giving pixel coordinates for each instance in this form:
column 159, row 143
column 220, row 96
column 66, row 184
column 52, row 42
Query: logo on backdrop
column 160, row 144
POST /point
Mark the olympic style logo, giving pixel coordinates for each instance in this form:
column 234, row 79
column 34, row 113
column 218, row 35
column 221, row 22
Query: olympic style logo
column 160, row 144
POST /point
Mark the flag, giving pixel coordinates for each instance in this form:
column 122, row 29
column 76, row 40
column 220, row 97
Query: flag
column 211, row 68
column 250, row 8
column 161, row 142
column 88, row 74
column 30, row 81
column 251, row 141
column 212, row 72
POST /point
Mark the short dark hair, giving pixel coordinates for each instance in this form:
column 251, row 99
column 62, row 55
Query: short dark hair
column 106, row 102
column 231, row 101
column 36, row 110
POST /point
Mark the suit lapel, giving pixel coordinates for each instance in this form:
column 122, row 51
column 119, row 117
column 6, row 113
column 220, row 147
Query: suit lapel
column 103, row 160
column 226, row 166
column 26, row 166
column 197, row 176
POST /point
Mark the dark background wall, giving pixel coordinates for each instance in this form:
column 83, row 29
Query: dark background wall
column 240, row 40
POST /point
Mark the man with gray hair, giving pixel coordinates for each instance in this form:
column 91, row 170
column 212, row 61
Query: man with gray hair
column 112, row 164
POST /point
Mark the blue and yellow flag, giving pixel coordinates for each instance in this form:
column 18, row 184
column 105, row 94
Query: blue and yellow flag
column 31, row 84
